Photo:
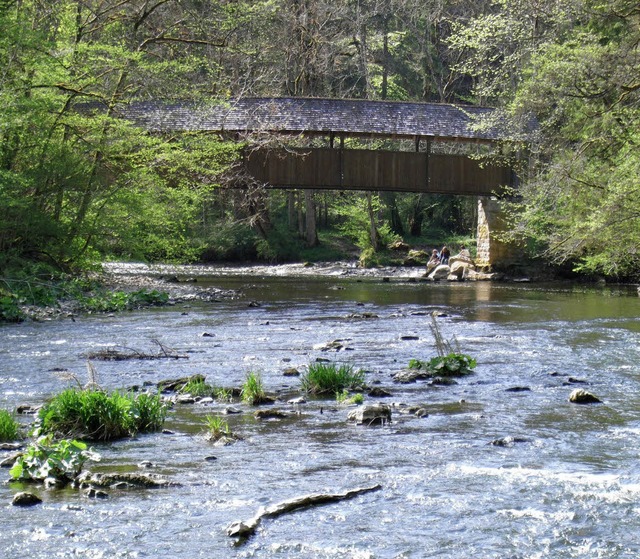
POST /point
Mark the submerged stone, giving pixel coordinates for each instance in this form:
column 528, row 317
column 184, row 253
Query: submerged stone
column 580, row 396
column 25, row 499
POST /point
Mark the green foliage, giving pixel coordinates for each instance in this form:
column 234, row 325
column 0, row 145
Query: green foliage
column 114, row 301
column 97, row 415
column 331, row 378
column 253, row 392
column 10, row 310
column 345, row 397
column 47, row 458
column 9, row 427
column 357, row 223
column 451, row 365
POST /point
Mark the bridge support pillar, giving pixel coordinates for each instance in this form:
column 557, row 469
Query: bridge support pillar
column 491, row 251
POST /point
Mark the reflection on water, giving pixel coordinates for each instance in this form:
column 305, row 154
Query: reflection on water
column 566, row 485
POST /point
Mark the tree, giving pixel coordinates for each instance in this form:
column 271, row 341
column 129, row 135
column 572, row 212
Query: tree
column 574, row 65
column 65, row 170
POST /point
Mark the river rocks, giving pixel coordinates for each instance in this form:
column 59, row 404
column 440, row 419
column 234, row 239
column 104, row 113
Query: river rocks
column 405, row 409
column 509, row 441
column 370, row 414
column 94, row 493
column 580, row 396
column 122, row 480
column 25, row 499
column 291, row 372
column 335, row 345
column 377, row 392
column 10, row 460
column 407, row 376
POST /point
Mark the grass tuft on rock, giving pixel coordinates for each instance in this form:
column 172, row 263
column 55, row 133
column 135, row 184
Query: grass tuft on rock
column 253, row 392
column 217, row 427
column 331, row 378
column 100, row 416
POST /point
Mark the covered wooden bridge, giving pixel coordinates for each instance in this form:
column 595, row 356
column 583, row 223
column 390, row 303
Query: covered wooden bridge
column 336, row 166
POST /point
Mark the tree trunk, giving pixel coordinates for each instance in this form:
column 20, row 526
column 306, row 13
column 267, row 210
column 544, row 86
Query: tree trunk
column 416, row 217
column 291, row 210
column 373, row 230
column 311, row 231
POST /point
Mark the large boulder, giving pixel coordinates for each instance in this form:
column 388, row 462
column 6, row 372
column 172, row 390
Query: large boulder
column 416, row 258
column 370, row 414
column 440, row 273
column 460, row 268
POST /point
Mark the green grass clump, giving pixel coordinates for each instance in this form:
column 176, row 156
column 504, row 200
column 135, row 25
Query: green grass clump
column 9, row 427
column 198, row 388
column 217, row 427
column 252, row 390
column 97, row 415
column 330, row 378
column 451, row 365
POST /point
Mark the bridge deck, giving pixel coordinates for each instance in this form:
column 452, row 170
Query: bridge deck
column 343, row 169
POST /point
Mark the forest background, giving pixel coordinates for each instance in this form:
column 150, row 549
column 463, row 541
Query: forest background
column 79, row 188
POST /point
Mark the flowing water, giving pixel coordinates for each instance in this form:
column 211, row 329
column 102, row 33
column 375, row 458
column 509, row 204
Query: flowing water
column 567, row 485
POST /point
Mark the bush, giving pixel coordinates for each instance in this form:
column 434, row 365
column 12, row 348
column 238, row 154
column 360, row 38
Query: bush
column 96, row 415
column 46, row 458
column 451, row 365
column 329, row 378
column 9, row 427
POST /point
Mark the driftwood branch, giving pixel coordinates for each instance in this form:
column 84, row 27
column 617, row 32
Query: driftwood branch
column 246, row 528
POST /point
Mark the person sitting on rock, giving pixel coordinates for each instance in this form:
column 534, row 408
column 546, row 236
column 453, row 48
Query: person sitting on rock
column 445, row 254
column 434, row 261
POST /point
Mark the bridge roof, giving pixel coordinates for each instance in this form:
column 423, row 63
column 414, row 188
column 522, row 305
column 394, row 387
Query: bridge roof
column 315, row 116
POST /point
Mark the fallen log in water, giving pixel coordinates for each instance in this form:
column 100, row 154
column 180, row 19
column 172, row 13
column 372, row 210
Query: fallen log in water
column 246, row 528
column 114, row 354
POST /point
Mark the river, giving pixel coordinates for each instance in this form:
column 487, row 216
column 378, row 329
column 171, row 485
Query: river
column 565, row 483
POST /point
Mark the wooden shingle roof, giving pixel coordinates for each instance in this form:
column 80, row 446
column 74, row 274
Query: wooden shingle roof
column 314, row 116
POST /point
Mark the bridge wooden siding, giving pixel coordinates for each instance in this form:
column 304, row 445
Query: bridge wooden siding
column 343, row 168
column 357, row 169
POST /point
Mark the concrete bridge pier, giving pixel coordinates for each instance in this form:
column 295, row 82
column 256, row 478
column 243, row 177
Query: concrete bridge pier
column 493, row 253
